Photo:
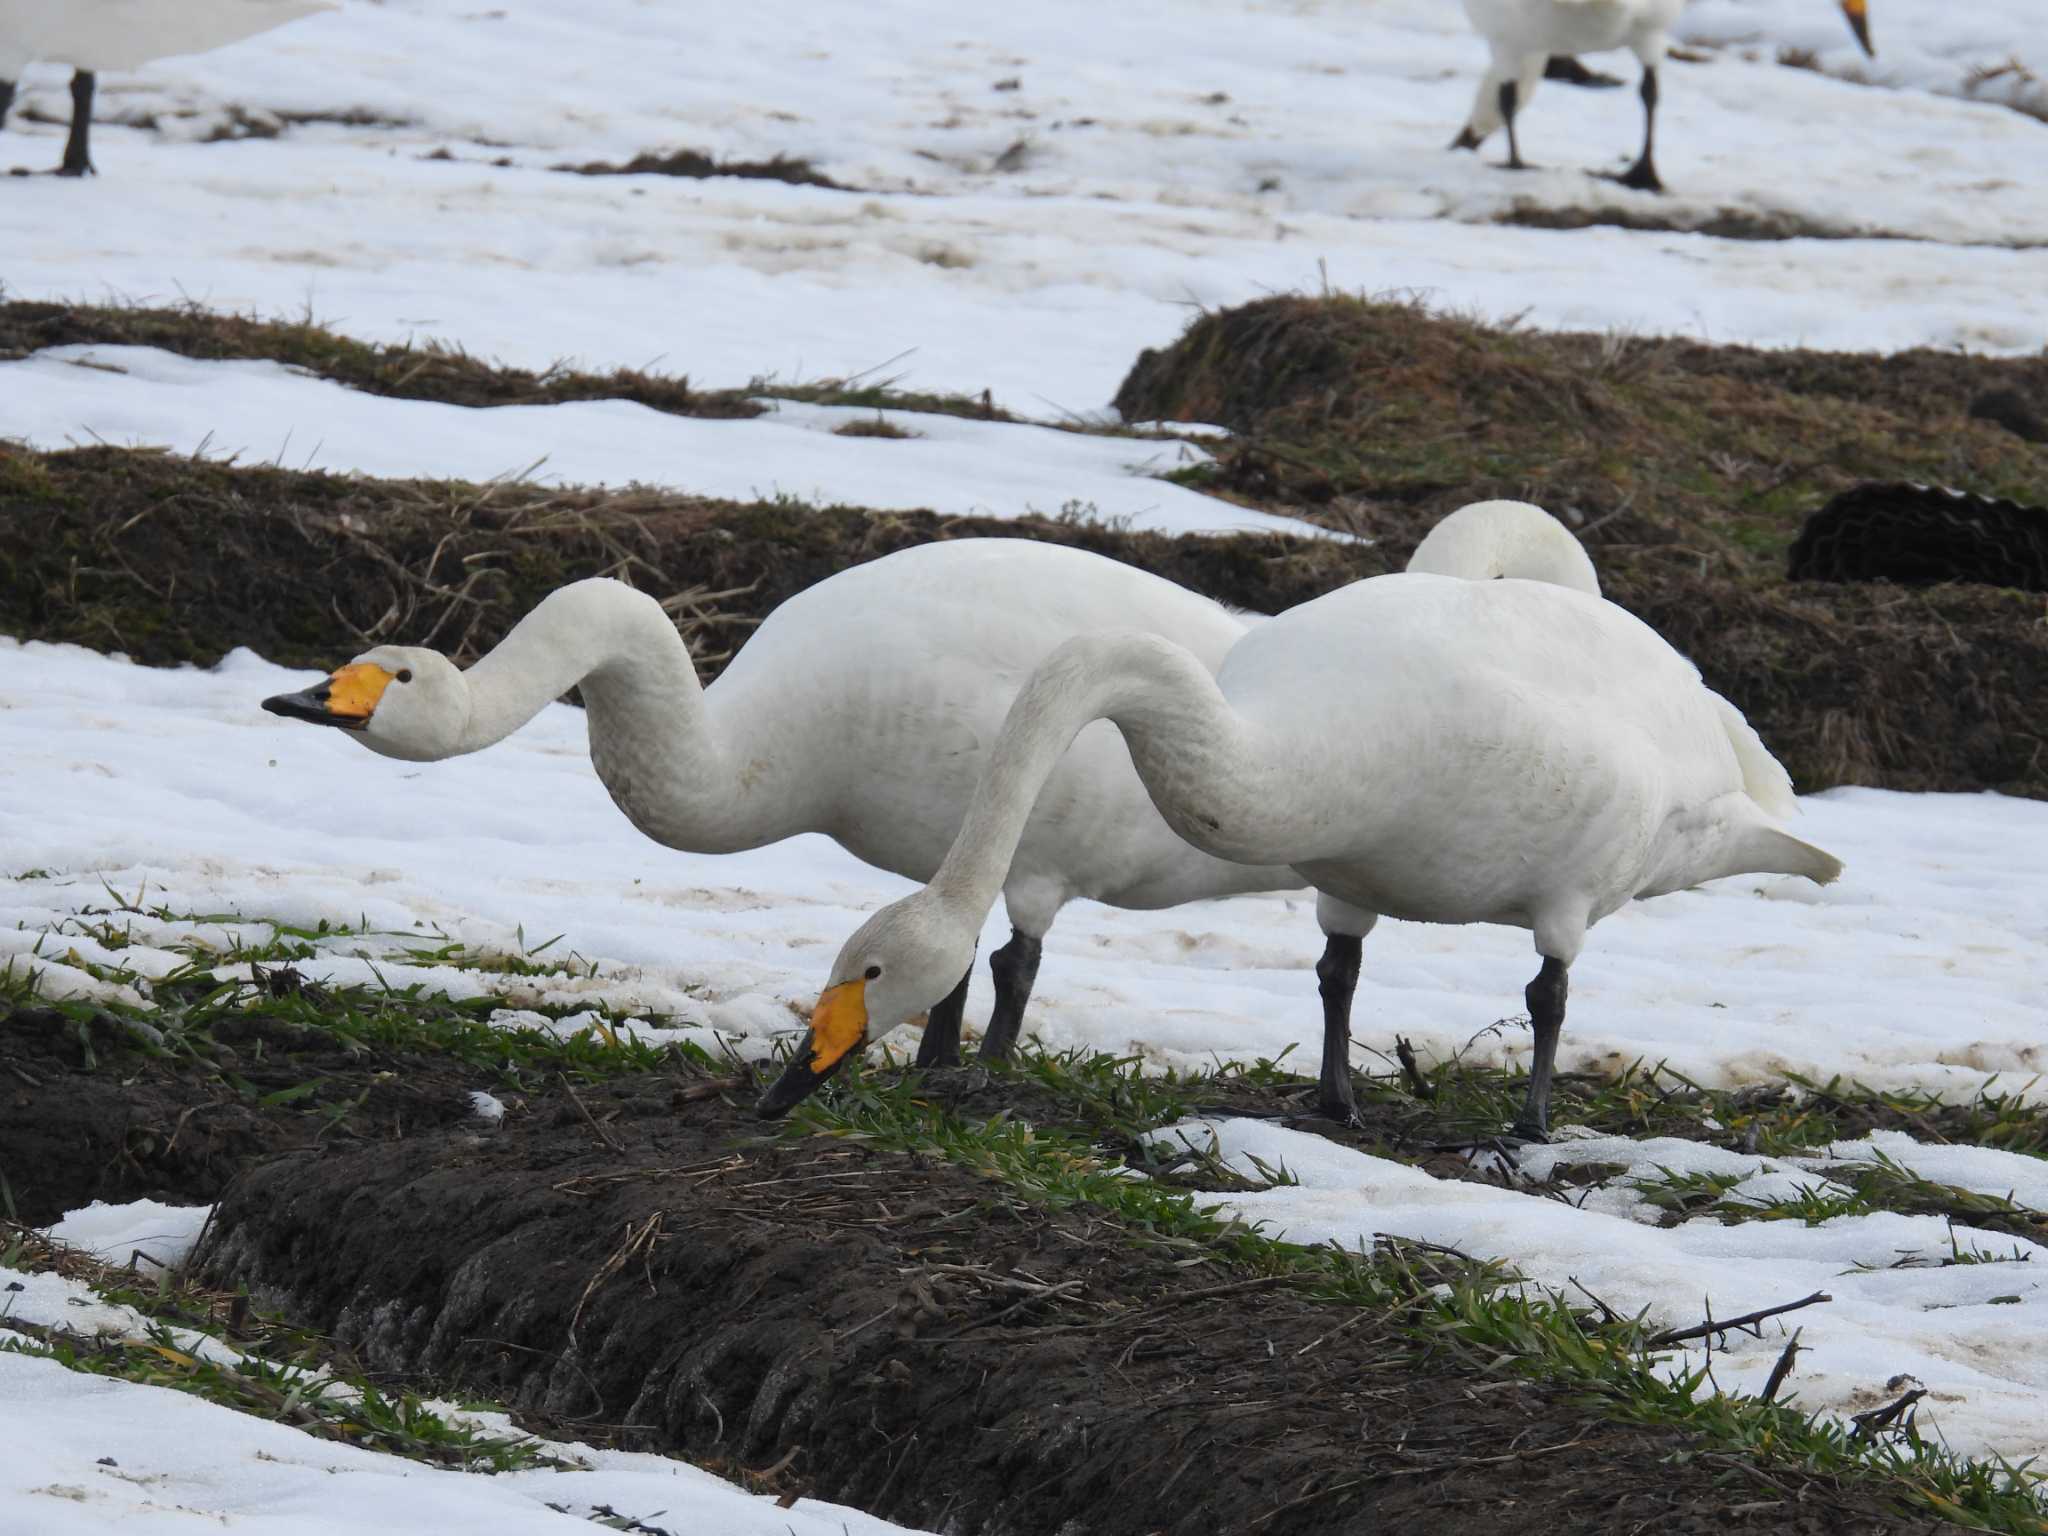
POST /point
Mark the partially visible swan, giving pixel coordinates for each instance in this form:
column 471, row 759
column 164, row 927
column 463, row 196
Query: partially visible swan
column 863, row 708
column 1418, row 747
column 96, row 35
column 1523, row 35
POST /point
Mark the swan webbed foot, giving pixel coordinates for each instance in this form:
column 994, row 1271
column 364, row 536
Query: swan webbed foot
column 1642, row 177
column 1562, row 66
column 1466, row 138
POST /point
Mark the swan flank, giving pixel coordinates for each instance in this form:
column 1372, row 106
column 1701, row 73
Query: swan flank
column 1417, row 747
column 96, row 35
column 863, row 708
column 1523, row 35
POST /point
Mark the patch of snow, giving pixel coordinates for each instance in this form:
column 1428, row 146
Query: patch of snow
column 1976, row 1335
column 161, row 1234
column 68, row 396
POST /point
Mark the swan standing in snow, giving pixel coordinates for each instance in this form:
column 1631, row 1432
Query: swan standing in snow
column 1524, row 34
column 96, row 35
column 1418, row 747
column 863, row 708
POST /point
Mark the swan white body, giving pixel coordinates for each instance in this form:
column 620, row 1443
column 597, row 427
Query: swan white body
column 1421, row 747
column 1522, row 35
column 96, row 35
column 126, row 34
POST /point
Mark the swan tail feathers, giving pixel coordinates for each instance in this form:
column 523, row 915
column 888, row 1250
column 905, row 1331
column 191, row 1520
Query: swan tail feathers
column 1765, row 850
column 1764, row 778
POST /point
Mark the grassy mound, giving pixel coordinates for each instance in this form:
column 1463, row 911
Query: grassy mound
column 1355, row 405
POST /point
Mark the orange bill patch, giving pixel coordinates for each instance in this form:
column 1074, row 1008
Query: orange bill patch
column 353, row 692
column 839, row 1023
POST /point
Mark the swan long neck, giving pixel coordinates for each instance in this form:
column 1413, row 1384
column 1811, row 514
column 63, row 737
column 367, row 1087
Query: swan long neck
column 1199, row 760
column 653, row 740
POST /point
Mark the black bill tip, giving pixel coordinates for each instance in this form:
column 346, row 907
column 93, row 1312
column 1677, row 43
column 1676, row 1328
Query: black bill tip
column 311, row 704
column 797, row 1083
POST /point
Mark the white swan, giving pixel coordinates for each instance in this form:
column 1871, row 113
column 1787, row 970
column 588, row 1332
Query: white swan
column 1522, row 35
column 1418, row 747
column 96, row 35
column 863, row 708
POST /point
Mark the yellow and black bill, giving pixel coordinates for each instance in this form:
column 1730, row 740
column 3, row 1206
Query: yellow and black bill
column 346, row 699
column 839, row 1027
column 1858, row 12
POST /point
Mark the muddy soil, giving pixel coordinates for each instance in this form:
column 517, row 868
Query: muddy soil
column 833, row 1321
column 86, row 1114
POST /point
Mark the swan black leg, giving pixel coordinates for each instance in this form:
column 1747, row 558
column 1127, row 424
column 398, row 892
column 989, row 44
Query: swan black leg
column 77, row 156
column 6, row 100
column 1015, row 968
column 1337, row 980
column 941, row 1044
column 1545, row 997
column 1510, row 96
column 1643, row 174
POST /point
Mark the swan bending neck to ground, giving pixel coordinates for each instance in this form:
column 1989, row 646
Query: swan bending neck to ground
column 862, row 708
column 96, row 35
column 1438, row 750
column 1523, row 35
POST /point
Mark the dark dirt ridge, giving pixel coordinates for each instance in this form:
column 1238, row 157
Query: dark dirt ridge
column 898, row 1334
column 85, row 1115
column 172, row 560
column 696, row 165
column 426, row 372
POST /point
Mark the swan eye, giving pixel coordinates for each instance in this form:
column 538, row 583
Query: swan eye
column 405, row 674
column 873, row 971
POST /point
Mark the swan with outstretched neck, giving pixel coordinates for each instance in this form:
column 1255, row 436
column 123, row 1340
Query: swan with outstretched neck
column 96, row 35
column 863, row 708
column 1415, row 746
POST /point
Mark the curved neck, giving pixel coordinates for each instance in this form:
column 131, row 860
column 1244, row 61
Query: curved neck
column 1200, row 761
column 653, row 740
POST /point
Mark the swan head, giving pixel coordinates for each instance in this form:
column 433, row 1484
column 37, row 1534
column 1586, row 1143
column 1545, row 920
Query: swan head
column 1858, row 12
column 399, row 701
column 897, row 965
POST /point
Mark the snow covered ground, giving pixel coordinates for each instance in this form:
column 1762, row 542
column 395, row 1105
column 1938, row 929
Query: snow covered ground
column 1044, row 188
